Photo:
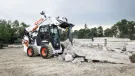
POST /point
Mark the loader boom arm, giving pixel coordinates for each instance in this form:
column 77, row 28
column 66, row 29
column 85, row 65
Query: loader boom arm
column 62, row 23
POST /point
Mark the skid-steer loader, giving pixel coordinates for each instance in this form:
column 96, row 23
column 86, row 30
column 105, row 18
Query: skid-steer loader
column 44, row 40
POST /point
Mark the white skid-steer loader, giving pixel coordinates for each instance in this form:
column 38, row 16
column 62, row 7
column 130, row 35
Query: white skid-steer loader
column 44, row 40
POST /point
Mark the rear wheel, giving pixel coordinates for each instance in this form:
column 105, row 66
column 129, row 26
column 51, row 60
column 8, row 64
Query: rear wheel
column 46, row 51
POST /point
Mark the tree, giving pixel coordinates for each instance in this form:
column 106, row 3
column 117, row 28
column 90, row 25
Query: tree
column 126, row 28
column 21, row 29
column 81, row 33
column 24, row 25
column 11, row 31
column 114, row 30
column 123, row 28
column 94, row 32
column 131, row 29
column 100, row 31
column 75, row 34
column 15, row 24
column 86, row 33
column 108, row 32
column 5, row 33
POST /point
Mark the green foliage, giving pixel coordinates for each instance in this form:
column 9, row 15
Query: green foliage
column 75, row 34
column 5, row 33
column 100, row 31
column 86, row 33
column 83, row 33
column 15, row 24
column 11, row 31
column 122, row 29
column 108, row 32
column 114, row 30
column 126, row 28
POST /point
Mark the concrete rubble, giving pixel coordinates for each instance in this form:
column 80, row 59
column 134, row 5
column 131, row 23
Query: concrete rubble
column 60, row 58
column 76, row 61
column 68, row 57
column 90, row 52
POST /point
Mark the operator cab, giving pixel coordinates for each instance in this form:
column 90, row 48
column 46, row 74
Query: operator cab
column 48, row 34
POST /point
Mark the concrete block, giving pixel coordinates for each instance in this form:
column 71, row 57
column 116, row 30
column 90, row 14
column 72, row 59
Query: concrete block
column 68, row 57
column 130, row 47
column 60, row 58
column 76, row 61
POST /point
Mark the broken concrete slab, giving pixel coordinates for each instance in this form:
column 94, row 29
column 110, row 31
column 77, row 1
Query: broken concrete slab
column 68, row 51
column 80, row 59
column 76, row 61
column 128, row 53
column 114, row 46
column 68, row 57
column 130, row 47
column 118, row 50
column 60, row 58
column 95, row 53
column 108, row 56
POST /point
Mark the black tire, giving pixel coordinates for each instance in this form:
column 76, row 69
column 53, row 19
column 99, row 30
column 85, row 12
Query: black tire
column 31, row 51
column 46, row 52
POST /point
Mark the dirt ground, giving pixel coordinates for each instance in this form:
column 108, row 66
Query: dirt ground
column 13, row 62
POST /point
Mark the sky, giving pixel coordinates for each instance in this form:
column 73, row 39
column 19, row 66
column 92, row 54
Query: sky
column 92, row 12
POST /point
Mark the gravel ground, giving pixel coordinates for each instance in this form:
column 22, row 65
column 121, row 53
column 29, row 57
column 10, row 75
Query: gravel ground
column 13, row 62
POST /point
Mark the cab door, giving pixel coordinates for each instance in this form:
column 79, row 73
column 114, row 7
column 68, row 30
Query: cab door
column 43, row 35
column 55, row 37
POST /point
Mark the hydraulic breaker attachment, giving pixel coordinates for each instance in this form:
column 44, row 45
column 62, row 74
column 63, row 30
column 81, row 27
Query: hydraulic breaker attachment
column 69, row 33
column 68, row 28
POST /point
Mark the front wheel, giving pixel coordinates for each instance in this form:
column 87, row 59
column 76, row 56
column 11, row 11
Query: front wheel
column 46, row 51
column 30, row 51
